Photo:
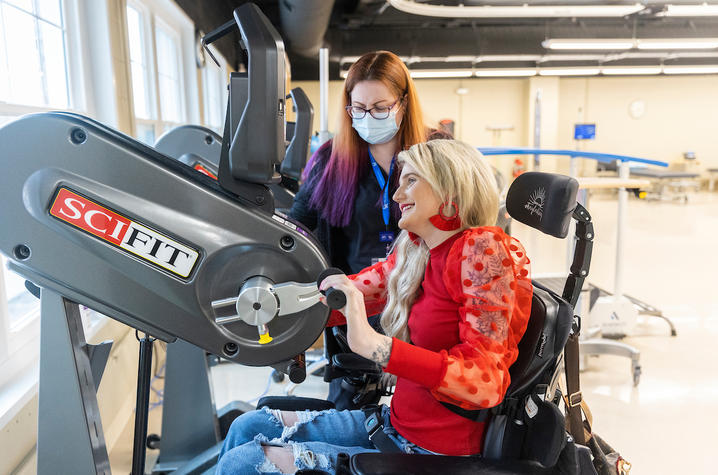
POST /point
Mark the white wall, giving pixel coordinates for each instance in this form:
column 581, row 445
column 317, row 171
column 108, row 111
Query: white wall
column 681, row 114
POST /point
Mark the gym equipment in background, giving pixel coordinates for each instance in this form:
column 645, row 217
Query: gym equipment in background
column 617, row 310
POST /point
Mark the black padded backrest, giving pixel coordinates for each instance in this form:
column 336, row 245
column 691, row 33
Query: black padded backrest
column 544, row 201
column 543, row 341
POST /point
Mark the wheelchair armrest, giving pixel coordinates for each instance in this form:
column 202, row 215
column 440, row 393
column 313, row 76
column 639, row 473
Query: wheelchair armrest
column 294, row 403
column 395, row 464
column 351, row 363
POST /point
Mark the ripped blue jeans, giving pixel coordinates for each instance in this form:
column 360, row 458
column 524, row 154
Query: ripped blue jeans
column 316, row 440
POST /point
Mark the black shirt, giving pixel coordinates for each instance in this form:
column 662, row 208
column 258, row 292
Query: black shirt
column 352, row 247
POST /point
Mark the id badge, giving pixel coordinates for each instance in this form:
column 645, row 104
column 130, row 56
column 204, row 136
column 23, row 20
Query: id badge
column 386, row 236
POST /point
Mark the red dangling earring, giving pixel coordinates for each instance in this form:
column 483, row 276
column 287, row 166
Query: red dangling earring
column 445, row 223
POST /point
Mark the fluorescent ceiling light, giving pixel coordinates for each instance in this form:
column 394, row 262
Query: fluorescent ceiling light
column 508, row 57
column 569, row 71
column 689, row 10
column 628, row 43
column 597, row 44
column 348, row 59
column 441, row 73
column 520, row 11
column 574, row 57
column 458, row 59
column 690, row 69
column 677, row 43
column 504, row 72
column 630, row 70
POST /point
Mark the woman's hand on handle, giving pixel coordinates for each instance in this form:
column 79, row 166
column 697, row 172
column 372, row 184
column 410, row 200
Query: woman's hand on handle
column 362, row 338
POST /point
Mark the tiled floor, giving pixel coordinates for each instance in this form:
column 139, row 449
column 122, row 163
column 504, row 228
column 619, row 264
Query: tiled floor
column 666, row 424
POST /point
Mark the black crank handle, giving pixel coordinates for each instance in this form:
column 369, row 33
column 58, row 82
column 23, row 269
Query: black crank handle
column 336, row 299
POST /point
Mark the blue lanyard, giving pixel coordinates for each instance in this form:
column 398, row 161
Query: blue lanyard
column 384, row 185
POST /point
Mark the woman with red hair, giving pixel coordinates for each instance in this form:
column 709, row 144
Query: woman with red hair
column 346, row 196
column 349, row 181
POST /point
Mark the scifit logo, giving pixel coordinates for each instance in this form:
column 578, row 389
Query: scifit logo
column 121, row 232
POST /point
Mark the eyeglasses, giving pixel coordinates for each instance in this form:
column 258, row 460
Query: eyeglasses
column 380, row 113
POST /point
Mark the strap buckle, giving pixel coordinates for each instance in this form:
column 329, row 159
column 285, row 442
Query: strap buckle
column 576, row 325
column 374, row 426
column 372, row 421
column 574, row 399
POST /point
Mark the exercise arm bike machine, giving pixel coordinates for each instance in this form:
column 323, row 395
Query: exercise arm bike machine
column 95, row 218
column 200, row 147
column 193, row 427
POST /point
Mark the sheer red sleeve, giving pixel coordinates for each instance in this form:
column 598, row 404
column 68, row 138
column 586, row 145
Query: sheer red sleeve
column 487, row 273
column 371, row 281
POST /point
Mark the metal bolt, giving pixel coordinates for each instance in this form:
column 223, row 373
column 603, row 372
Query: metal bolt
column 589, row 236
column 259, row 199
column 21, row 252
column 78, row 136
column 287, row 242
column 231, row 349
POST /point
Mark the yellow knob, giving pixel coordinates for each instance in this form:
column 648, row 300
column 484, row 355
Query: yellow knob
column 264, row 338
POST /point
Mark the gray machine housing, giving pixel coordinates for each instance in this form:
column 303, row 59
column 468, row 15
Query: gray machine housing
column 201, row 148
column 235, row 240
column 62, row 193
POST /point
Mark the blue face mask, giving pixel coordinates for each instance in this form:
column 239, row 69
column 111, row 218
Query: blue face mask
column 376, row 131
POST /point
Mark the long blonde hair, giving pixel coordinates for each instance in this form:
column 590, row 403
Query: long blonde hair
column 456, row 172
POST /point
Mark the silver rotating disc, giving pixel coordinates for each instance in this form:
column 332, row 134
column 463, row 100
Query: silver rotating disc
column 257, row 304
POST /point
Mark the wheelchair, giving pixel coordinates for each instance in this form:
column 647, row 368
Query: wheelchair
column 526, row 432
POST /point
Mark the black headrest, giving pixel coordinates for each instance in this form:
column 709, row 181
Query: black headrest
column 544, row 201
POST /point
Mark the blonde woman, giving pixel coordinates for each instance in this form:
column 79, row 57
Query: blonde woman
column 455, row 298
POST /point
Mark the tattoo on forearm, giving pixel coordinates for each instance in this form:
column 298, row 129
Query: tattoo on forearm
column 382, row 352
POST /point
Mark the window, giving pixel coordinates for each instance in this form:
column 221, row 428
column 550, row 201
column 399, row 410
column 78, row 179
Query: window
column 33, row 60
column 36, row 74
column 215, row 81
column 139, row 62
column 140, row 51
column 19, row 325
column 168, row 74
column 22, row 306
column 156, row 64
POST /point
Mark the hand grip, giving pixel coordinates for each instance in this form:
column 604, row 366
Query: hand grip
column 335, row 298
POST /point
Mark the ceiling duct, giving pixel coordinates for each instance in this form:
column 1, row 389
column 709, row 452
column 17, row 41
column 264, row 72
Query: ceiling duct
column 304, row 23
